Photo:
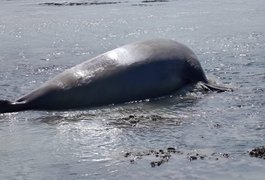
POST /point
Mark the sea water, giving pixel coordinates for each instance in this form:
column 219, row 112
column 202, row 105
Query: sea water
column 196, row 136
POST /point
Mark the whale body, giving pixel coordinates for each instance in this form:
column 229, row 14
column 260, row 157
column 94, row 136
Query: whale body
column 137, row 71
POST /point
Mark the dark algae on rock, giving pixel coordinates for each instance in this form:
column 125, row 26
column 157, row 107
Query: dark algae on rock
column 258, row 152
column 162, row 156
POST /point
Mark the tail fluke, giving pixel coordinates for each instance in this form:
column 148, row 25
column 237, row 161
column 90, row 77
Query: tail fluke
column 7, row 106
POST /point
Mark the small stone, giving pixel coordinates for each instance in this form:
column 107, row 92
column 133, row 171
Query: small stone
column 202, row 157
column 226, row 155
column 217, row 126
column 171, row 149
column 159, row 162
column 153, row 164
column 127, row 154
column 193, row 158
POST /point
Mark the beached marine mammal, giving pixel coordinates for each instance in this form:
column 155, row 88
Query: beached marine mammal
column 136, row 71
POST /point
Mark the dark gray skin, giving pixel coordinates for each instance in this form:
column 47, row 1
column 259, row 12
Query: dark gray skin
column 137, row 71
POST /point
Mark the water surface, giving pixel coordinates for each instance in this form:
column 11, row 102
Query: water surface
column 40, row 39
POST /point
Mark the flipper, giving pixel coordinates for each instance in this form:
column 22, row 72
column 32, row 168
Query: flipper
column 7, row 106
column 214, row 87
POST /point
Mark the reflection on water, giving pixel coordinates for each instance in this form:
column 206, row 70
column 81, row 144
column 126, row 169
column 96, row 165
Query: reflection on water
column 142, row 3
column 79, row 3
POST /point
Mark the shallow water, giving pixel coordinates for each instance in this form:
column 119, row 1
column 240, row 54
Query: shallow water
column 40, row 40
